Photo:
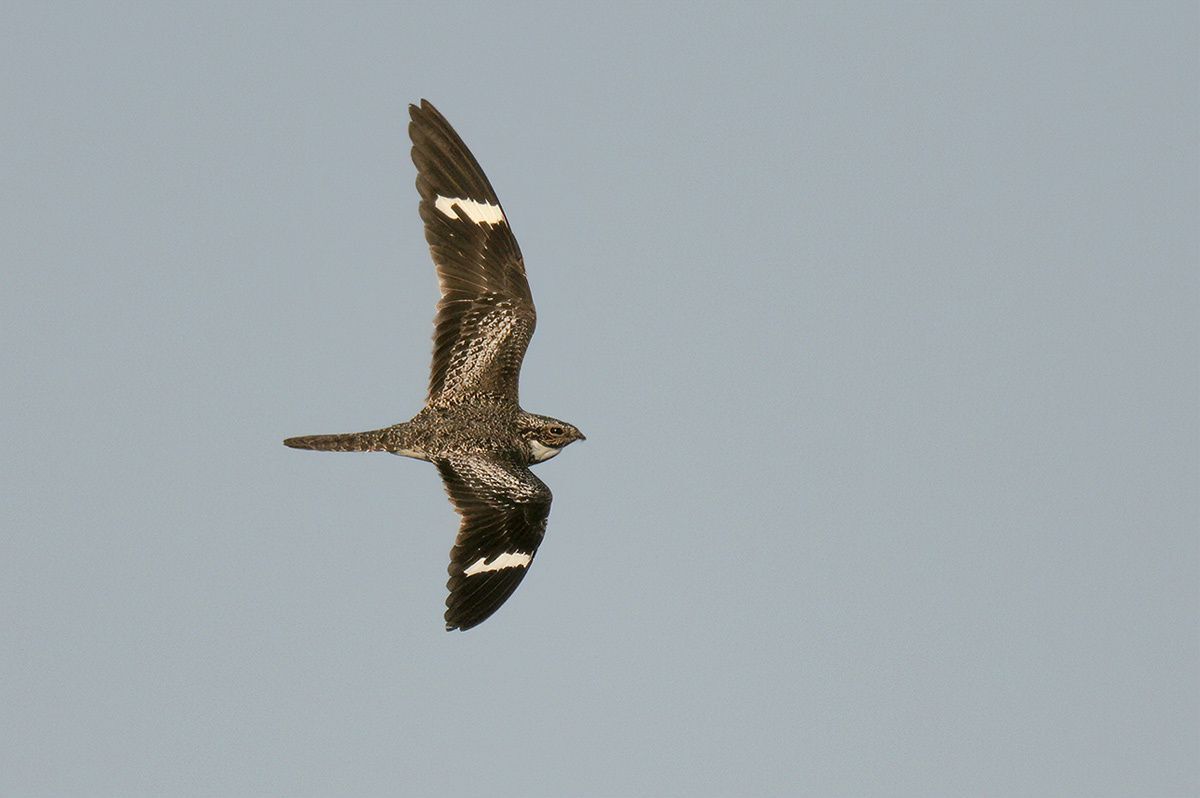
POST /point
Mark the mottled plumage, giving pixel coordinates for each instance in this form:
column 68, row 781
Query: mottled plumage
column 472, row 426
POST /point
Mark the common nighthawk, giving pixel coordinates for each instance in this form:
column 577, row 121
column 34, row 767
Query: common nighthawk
column 472, row 427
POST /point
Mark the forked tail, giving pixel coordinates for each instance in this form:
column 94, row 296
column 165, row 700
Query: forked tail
column 378, row 440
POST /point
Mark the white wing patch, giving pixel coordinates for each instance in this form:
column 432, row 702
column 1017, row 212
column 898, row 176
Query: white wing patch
column 477, row 212
column 516, row 559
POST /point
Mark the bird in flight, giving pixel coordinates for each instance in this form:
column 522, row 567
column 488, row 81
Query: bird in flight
column 472, row 426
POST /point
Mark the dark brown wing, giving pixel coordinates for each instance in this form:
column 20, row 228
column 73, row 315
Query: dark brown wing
column 486, row 316
column 504, row 508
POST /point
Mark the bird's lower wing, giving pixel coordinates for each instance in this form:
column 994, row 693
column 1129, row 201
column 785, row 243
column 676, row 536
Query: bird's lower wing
column 504, row 508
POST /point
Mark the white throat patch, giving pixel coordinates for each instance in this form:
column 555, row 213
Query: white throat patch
column 477, row 212
column 541, row 451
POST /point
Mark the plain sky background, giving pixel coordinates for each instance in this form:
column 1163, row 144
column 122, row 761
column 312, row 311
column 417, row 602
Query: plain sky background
column 881, row 320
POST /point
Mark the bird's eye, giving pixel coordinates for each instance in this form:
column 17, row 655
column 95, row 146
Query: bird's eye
column 556, row 430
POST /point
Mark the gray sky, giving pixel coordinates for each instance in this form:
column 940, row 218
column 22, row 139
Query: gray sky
column 881, row 320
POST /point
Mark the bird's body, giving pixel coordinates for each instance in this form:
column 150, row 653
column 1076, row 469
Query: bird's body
column 472, row 426
column 436, row 433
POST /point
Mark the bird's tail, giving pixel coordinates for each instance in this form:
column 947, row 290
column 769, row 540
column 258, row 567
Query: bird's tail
column 378, row 440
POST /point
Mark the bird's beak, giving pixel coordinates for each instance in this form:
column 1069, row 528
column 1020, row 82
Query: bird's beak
column 582, row 437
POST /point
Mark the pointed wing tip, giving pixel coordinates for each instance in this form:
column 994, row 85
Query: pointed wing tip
column 454, row 624
column 415, row 111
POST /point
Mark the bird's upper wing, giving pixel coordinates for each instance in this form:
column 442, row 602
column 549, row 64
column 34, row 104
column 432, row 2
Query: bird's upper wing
column 504, row 508
column 486, row 316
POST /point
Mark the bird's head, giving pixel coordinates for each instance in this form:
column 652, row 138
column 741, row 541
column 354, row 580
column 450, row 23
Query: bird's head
column 547, row 436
